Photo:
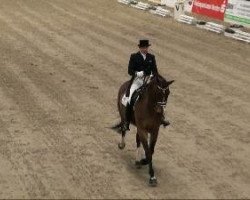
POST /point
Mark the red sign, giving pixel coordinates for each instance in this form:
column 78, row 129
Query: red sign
column 211, row 8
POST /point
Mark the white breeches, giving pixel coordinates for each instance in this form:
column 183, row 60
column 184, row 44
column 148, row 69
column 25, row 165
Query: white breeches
column 137, row 83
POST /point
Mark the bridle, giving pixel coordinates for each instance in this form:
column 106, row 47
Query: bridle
column 163, row 103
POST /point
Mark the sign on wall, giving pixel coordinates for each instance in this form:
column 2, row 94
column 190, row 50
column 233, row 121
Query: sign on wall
column 189, row 5
column 171, row 3
column 211, row 8
column 238, row 11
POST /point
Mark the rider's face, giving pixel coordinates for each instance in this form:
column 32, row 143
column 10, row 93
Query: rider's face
column 144, row 50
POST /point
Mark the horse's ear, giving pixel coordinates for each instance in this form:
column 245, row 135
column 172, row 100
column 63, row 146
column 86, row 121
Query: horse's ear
column 170, row 82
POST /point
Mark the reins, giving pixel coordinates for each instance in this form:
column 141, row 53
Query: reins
column 162, row 103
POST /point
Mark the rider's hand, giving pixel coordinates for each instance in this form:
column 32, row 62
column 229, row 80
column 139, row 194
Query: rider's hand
column 140, row 74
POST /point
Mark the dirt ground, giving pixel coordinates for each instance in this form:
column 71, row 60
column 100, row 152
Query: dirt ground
column 61, row 64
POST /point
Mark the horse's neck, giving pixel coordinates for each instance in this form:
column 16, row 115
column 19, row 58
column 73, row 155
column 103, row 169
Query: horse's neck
column 150, row 98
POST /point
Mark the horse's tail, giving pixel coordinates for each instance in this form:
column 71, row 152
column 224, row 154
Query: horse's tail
column 117, row 127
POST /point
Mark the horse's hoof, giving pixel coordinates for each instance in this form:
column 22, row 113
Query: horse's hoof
column 153, row 182
column 121, row 145
column 138, row 164
column 144, row 161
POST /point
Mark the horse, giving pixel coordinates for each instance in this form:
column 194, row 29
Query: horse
column 146, row 116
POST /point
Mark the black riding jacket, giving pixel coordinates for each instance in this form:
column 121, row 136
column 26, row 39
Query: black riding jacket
column 137, row 63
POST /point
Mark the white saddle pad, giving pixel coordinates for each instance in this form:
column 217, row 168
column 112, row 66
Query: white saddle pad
column 125, row 100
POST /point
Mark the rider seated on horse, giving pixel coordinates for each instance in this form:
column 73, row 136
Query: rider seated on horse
column 141, row 65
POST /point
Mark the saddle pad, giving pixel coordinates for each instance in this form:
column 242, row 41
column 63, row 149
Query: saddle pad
column 135, row 97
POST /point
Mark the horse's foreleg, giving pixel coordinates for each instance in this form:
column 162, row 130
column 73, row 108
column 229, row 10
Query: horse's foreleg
column 139, row 152
column 153, row 140
column 122, row 144
column 144, row 141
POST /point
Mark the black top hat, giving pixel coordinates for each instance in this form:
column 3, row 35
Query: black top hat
column 144, row 43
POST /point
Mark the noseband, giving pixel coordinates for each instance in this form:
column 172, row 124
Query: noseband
column 162, row 103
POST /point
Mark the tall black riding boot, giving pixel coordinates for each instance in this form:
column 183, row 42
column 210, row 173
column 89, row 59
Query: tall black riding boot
column 127, row 118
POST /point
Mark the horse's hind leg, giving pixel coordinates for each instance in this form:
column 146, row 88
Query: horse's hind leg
column 122, row 144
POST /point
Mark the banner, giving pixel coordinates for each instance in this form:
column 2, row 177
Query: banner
column 238, row 11
column 211, row 8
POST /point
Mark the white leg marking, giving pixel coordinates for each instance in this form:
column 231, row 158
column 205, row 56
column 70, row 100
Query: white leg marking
column 138, row 154
column 142, row 153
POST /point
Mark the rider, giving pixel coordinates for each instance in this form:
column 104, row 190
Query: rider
column 141, row 64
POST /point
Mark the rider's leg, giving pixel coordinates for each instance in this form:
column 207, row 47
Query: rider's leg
column 128, row 110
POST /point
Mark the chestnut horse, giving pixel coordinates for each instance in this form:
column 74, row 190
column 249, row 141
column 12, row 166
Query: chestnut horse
column 146, row 116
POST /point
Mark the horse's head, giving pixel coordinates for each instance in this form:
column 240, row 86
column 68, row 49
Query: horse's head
column 161, row 91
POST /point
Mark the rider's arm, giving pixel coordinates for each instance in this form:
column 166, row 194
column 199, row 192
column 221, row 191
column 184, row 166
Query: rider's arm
column 131, row 66
column 154, row 66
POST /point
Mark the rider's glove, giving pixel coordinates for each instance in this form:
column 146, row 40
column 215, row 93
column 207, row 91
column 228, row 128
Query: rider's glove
column 140, row 74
